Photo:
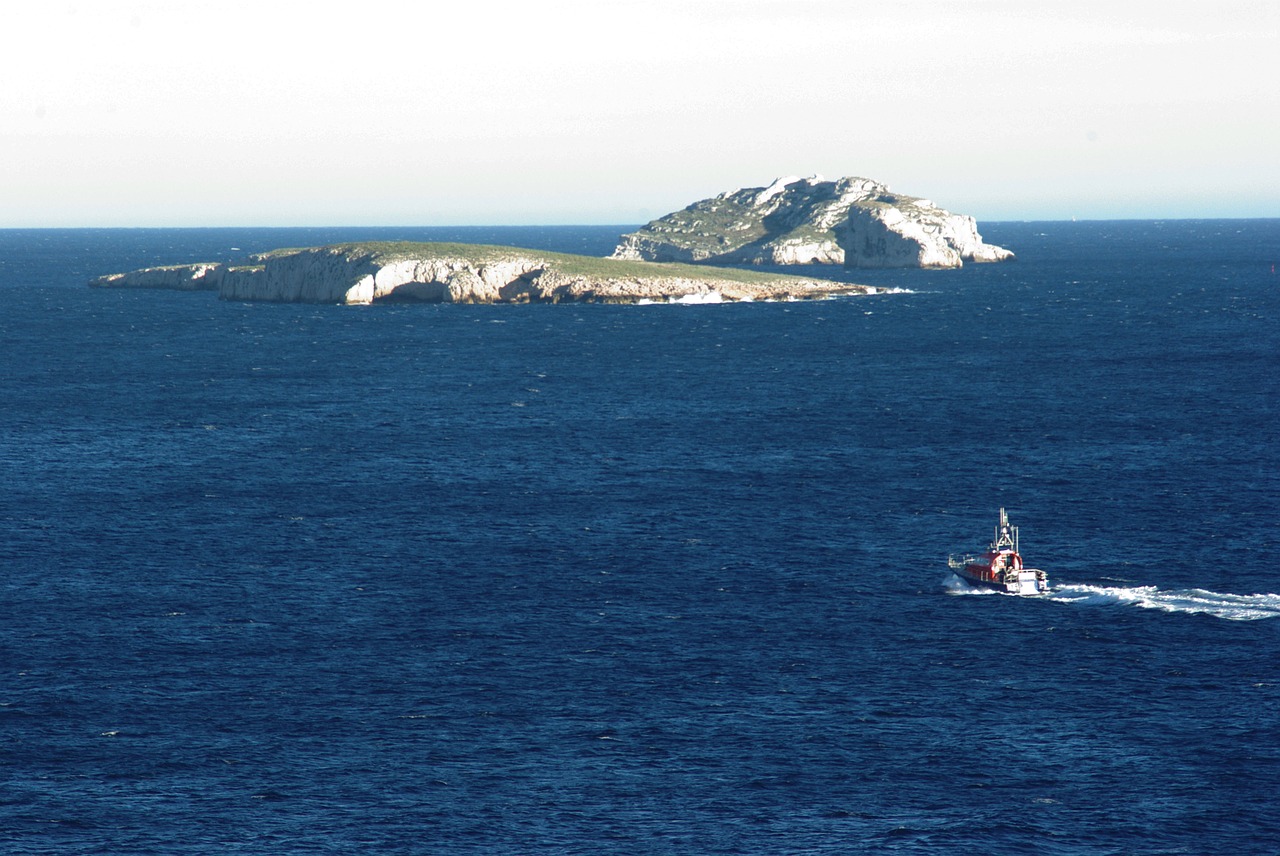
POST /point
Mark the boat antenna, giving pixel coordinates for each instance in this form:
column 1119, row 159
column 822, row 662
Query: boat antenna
column 1006, row 535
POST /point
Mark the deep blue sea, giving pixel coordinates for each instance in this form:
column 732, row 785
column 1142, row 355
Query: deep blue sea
column 588, row 579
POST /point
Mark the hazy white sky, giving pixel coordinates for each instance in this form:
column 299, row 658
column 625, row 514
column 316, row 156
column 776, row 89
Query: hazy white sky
column 383, row 112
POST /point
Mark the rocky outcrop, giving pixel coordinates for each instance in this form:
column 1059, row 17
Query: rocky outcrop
column 460, row 273
column 856, row 222
column 198, row 277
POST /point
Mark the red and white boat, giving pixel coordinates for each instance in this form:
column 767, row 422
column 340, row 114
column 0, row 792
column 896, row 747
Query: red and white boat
column 1000, row 568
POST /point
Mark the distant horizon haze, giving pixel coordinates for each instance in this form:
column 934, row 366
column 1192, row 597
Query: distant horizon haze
column 128, row 113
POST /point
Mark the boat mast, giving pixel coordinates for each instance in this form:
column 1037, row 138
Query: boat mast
column 1006, row 535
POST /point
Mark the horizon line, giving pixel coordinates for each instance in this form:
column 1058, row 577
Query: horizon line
column 36, row 228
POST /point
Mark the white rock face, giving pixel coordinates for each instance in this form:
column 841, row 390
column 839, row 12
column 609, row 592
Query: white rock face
column 336, row 275
column 362, row 274
column 339, row 275
column 857, row 222
column 922, row 235
column 204, row 276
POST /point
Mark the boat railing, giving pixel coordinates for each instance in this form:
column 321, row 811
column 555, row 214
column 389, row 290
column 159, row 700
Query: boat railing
column 957, row 562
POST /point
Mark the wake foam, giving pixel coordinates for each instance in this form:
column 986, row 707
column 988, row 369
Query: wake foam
column 1233, row 607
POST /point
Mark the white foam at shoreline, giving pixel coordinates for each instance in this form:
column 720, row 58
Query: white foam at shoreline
column 717, row 297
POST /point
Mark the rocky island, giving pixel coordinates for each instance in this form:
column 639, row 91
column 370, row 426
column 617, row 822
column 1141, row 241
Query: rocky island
column 856, row 222
column 363, row 273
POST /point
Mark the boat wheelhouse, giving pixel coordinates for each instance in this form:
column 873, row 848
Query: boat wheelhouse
column 1001, row 567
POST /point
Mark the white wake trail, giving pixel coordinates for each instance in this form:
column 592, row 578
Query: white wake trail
column 1233, row 607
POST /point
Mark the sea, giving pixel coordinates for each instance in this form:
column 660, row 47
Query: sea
column 664, row 579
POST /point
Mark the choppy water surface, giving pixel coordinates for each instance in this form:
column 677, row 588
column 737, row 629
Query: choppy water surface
column 643, row 579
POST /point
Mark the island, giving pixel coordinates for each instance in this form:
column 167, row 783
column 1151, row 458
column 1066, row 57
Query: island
column 374, row 272
column 855, row 222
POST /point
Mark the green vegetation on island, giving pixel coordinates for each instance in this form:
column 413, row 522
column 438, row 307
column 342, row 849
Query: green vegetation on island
column 373, row 271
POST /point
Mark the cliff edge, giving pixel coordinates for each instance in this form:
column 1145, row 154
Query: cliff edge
column 856, row 222
column 366, row 273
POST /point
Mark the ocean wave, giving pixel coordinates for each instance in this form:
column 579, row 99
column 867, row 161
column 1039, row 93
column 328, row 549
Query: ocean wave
column 1233, row 607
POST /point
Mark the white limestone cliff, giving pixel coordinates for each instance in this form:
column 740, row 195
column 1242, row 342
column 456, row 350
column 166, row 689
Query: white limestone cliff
column 853, row 221
column 341, row 275
column 197, row 277
column 450, row 273
column 915, row 235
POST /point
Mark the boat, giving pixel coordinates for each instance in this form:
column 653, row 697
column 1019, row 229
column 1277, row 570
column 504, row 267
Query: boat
column 1000, row 568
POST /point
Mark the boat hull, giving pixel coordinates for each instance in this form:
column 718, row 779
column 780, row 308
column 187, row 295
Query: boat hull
column 1024, row 581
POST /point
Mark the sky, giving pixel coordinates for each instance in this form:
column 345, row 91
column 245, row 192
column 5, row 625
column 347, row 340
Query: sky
column 480, row 112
